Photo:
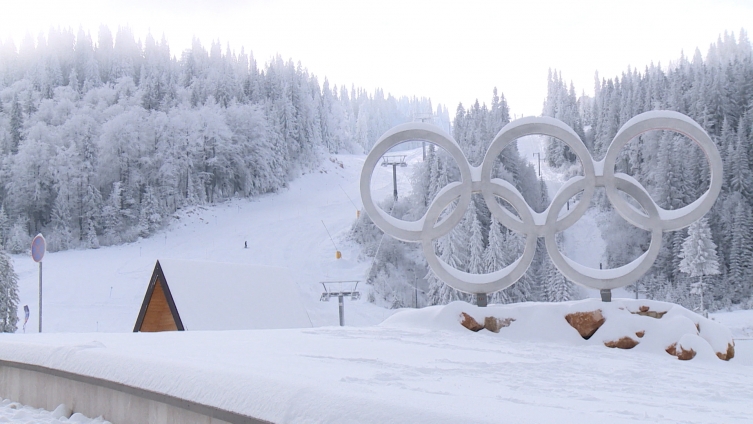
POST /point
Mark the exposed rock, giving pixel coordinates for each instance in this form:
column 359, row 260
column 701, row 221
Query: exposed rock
column 468, row 322
column 647, row 312
column 640, row 333
column 586, row 322
column 672, row 349
column 726, row 356
column 681, row 354
column 493, row 324
column 623, row 343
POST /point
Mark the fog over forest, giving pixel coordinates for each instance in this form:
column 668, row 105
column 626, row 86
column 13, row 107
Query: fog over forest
column 101, row 141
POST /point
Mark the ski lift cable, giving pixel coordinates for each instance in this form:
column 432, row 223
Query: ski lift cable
column 346, row 195
column 330, row 236
column 379, row 246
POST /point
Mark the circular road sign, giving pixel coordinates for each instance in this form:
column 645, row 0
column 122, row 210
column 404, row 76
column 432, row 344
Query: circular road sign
column 38, row 248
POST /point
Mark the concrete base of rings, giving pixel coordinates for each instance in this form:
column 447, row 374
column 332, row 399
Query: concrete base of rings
column 42, row 387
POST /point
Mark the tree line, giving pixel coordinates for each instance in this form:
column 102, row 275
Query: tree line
column 101, row 142
column 717, row 92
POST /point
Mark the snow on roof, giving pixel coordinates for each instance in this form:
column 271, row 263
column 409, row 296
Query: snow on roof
column 230, row 296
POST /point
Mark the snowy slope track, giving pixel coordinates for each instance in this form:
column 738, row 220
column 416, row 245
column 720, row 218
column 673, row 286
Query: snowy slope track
column 102, row 290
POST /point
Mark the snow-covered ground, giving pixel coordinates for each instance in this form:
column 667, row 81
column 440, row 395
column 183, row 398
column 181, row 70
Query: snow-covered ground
column 14, row 412
column 364, row 372
column 420, row 366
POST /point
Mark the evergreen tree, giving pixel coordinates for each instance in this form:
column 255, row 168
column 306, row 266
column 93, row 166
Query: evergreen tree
column 699, row 256
column 4, row 226
column 16, row 125
column 8, row 294
column 476, row 242
column 556, row 287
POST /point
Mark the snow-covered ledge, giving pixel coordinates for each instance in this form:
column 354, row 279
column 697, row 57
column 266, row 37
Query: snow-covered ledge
column 43, row 387
column 641, row 325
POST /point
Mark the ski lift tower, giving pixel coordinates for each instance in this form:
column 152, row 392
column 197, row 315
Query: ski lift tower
column 340, row 289
column 423, row 117
column 394, row 161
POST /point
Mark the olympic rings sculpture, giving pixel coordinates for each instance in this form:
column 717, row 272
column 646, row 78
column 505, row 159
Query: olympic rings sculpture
column 550, row 222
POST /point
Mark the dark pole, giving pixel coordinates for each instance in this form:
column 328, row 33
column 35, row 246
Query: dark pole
column 606, row 294
column 40, row 296
column 539, row 154
column 415, row 285
column 341, row 305
column 394, row 180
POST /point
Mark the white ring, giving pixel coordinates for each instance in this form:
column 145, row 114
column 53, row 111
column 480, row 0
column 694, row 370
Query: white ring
column 548, row 223
column 475, row 283
column 406, row 230
column 672, row 121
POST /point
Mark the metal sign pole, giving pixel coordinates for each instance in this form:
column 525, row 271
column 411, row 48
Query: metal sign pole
column 40, row 296
column 38, row 248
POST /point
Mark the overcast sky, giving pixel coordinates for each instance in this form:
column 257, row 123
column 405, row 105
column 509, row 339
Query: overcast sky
column 449, row 51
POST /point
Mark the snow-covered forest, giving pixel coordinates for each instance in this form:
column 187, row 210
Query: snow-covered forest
column 100, row 142
column 716, row 90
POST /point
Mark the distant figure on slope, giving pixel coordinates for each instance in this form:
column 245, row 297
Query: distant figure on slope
column 245, row 245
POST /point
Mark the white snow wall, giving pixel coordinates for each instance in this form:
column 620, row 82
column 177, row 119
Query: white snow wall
column 47, row 388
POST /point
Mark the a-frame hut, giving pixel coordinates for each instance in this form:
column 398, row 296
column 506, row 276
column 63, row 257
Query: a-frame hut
column 198, row 295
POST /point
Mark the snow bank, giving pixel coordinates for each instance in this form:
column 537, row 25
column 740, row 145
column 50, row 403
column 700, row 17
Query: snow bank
column 642, row 325
column 538, row 369
column 14, row 412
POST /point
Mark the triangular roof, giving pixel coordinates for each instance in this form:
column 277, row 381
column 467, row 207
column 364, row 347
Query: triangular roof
column 226, row 296
column 158, row 291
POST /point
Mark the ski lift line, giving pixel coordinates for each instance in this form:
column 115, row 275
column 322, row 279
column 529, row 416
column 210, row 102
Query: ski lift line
column 379, row 246
column 346, row 195
column 330, row 236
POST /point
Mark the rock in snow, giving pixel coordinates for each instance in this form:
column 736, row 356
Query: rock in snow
column 642, row 325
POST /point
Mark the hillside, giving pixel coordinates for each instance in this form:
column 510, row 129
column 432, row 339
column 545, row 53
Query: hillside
column 102, row 289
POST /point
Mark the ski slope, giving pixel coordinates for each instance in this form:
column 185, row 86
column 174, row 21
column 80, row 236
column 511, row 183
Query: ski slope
column 101, row 290
column 364, row 372
column 582, row 242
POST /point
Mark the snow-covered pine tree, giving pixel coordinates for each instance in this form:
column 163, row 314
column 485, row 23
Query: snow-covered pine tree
column 699, row 256
column 452, row 250
column 8, row 294
column 557, row 288
column 16, row 125
column 475, row 242
column 112, row 215
column 91, row 204
column 62, row 236
column 4, row 225
column 149, row 217
column 18, row 239
column 495, row 257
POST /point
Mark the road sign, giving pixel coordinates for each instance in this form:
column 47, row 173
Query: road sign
column 38, row 248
